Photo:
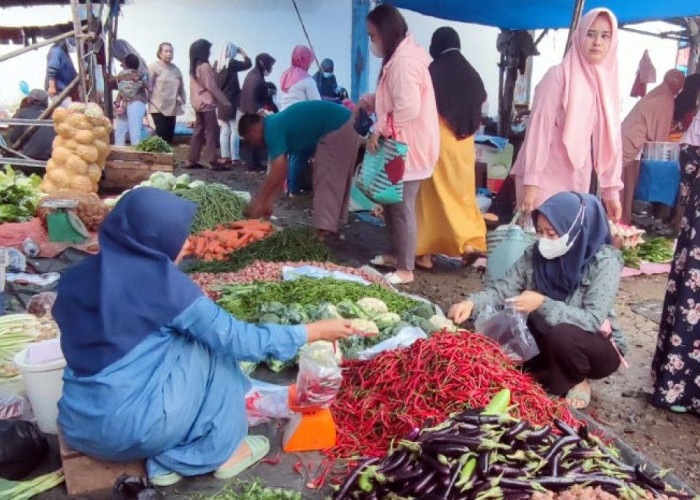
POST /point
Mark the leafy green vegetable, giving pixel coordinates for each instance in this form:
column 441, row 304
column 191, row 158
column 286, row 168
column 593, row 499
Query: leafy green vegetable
column 243, row 300
column 24, row 490
column 19, row 195
column 291, row 244
column 254, row 490
column 216, row 204
column 154, row 144
column 658, row 250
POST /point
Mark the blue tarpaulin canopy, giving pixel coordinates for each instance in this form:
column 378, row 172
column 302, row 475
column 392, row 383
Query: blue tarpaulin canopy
column 541, row 14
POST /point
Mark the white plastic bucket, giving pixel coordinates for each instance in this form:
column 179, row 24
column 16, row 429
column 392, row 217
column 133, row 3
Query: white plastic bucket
column 44, row 383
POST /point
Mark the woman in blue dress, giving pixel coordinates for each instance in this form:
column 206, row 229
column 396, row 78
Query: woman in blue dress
column 153, row 364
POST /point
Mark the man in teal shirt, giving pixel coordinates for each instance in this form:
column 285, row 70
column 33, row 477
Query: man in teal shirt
column 319, row 128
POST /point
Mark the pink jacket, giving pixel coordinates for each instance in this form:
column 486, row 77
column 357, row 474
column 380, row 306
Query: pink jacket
column 405, row 92
column 204, row 90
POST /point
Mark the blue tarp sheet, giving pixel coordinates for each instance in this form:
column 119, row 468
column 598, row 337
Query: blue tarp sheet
column 539, row 14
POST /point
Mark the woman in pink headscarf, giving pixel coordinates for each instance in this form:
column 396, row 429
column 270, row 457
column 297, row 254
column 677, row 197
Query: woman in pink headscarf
column 298, row 86
column 296, row 83
column 575, row 122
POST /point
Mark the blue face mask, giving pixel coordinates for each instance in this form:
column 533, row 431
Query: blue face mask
column 326, row 74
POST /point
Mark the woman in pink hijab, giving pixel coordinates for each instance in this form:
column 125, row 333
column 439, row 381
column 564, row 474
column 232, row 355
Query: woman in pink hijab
column 296, row 83
column 575, row 122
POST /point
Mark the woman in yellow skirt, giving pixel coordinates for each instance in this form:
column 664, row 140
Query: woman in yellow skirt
column 448, row 217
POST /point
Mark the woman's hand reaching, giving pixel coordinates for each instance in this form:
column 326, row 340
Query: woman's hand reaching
column 373, row 143
column 459, row 313
column 614, row 209
column 527, row 302
column 329, row 329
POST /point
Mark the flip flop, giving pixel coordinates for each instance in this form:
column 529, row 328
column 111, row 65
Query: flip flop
column 678, row 409
column 164, row 480
column 580, row 396
column 423, row 266
column 259, row 447
column 394, row 279
column 380, row 261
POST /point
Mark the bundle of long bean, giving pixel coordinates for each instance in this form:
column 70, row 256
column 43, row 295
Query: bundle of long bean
column 478, row 455
column 216, row 204
column 288, row 244
column 383, row 399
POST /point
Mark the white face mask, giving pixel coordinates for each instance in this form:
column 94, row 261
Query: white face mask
column 374, row 49
column 266, row 73
column 70, row 45
column 552, row 249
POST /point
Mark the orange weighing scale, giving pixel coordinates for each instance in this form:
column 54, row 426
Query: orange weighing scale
column 310, row 429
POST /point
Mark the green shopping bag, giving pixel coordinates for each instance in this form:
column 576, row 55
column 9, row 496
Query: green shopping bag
column 380, row 177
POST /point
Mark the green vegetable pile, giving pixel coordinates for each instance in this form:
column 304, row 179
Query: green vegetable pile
column 217, row 204
column 19, row 195
column 162, row 180
column 244, row 301
column 154, row 144
column 254, row 490
column 658, row 250
column 24, row 490
column 291, row 244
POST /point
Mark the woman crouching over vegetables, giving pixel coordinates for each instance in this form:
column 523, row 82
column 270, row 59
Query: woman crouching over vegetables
column 152, row 363
column 566, row 283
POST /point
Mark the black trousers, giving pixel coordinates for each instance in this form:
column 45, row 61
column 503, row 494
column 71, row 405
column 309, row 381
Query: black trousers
column 165, row 126
column 569, row 355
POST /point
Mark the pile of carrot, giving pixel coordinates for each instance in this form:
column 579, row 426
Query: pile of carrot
column 220, row 242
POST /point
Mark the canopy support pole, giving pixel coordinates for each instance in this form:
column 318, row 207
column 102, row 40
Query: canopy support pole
column 359, row 56
column 80, row 46
column 575, row 19
column 29, row 48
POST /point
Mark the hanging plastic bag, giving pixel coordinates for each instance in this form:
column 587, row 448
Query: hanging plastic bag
column 40, row 305
column 265, row 402
column 15, row 408
column 22, row 447
column 508, row 327
column 404, row 338
column 319, row 377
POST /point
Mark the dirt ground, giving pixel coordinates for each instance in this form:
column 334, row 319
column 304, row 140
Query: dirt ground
column 620, row 402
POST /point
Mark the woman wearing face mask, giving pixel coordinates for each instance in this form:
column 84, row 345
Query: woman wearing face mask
column 60, row 71
column 566, row 283
column 325, row 80
column 167, row 93
column 254, row 97
column 575, row 122
column 406, row 110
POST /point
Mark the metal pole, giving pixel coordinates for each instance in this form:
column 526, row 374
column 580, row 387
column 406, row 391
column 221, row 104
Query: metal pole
column 47, row 112
column 306, row 34
column 48, row 41
column 79, row 44
column 575, row 18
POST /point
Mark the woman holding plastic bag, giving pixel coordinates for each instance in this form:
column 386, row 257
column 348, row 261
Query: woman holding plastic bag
column 566, row 283
column 153, row 364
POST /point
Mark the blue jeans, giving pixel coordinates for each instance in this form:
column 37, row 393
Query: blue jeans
column 229, row 140
column 298, row 173
column 132, row 123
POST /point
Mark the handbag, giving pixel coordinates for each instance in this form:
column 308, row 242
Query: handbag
column 380, row 177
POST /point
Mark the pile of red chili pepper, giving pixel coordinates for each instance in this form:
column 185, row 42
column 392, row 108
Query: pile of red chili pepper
column 400, row 390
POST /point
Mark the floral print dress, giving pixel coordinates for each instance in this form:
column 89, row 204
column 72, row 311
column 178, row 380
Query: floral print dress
column 676, row 365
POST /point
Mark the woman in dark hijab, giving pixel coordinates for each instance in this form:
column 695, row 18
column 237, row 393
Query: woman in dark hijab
column 255, row 98
column 205, row 96
column 449, row 220
column 566, row 284
column 325, row 80
column 686, row 101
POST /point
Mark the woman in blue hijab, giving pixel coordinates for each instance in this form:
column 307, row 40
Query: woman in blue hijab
column 152, row 363
column 566, row 283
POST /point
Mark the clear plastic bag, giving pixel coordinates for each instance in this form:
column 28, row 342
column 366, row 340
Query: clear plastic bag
column 319, row 377
column 265, row 402
column 404, row 338
column 15, row 408
column 508, row 327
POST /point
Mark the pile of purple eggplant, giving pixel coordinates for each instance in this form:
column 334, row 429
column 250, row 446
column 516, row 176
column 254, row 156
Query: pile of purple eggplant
column 485, row 454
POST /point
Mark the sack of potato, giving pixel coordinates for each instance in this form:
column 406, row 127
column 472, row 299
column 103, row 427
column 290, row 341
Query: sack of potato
column 91, row 210
column 79, row 150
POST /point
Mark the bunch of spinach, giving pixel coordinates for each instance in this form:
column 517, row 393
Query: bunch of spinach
column 19, row 195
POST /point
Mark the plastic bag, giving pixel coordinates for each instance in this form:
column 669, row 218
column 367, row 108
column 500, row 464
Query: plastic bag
column 508, row 328
column 265, row 402
column 15, row 408
column 40, row 305
column 319, row 377
column 404, row 338
column 22, row 447
column 128, row 487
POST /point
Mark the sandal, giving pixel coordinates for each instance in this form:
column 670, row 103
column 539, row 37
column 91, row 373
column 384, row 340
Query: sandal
column 678, row 409
column 395, row 279
column 423, row 266
column 578, row 395
column 382, row 261
column 259, row 447
column 218, row 166
column 164, row 480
